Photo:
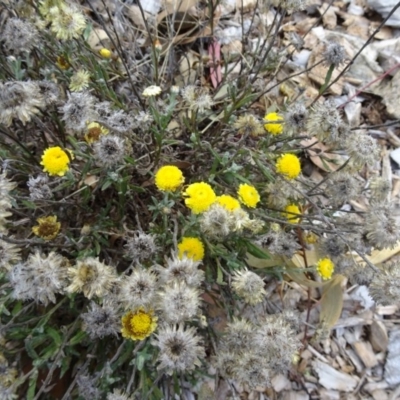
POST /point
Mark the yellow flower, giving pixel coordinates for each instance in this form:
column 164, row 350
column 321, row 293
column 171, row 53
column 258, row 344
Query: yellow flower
column 289, row 166
column 105, row 53
column 290, row 210
column 200, row 197
column 93, row 132
column 325, row 268
column 248, row 195
column 273, row 128
column 228, row 202
column 62, row 63
column 139, row 324
column 169, row 178
column 55, row 161
column 191, row 247
column 48, row 227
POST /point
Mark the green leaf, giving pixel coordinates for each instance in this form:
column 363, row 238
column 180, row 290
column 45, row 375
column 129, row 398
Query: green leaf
column 77, row 338
column 328, row 78
column 54, row 335
column 32, row 386
column 256, row 251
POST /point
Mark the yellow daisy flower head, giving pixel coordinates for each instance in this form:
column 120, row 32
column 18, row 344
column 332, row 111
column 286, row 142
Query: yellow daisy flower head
column 93, row 132
column 55, row 161
column 191, row 247
column 325, row 268
column 138, row 324
column 289, row 166
column 200, row 196
column 273, row 126
column 169, row 178
column 291, row 210
column 48, row 227
column 105, row 53
column 62, row 63
column 248, row 195
column 228, row 202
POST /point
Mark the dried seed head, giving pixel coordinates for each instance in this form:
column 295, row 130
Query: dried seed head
column 109, row 150
column 363, row 149
column 91, row 277
column 382, row 228
column 385, row 286
column 248, row 286
column 50, row 92
column 141, row 246
column 40, row 278
column 380, row 189
column 100, row 321
column 183, row 269
column 180, row 349
column 87, row 387
column 325, row 122
column 333, row 247
column 78, row 111
column 178, row 302
column 19, row 100
column 138, row 289
column 279, row 243
column 295, row 118
column 342, row 187
column 19, row 36
column 216, row 222
column 249, row 125
column 334, row 54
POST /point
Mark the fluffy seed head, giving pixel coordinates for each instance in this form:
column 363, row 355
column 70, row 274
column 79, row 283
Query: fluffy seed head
column 67, row 22
column 181, row 269
column 140, row 246
column 248, row 286
column 39, row 188
column 100, row 321
column 178, row 302
column 180, row 349
column 79, row 81
column 19, row 100
column 385, row 286
column 91, row 277
column 334, row 54
column 40, row 278
column 248, row 125
column 216, row 222
column 109, row 150
column 362, row 148
column 138, row 289
column 19, row 35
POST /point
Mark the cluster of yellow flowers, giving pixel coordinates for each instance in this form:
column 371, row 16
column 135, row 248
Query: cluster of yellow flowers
column 199, row 196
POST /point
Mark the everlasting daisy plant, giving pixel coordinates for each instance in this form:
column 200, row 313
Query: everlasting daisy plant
column 248, row 195
column 138, row 324
column 55, row 161
column 199, row 197
column 289, row 166
column 191, row 247
column 169, row 178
